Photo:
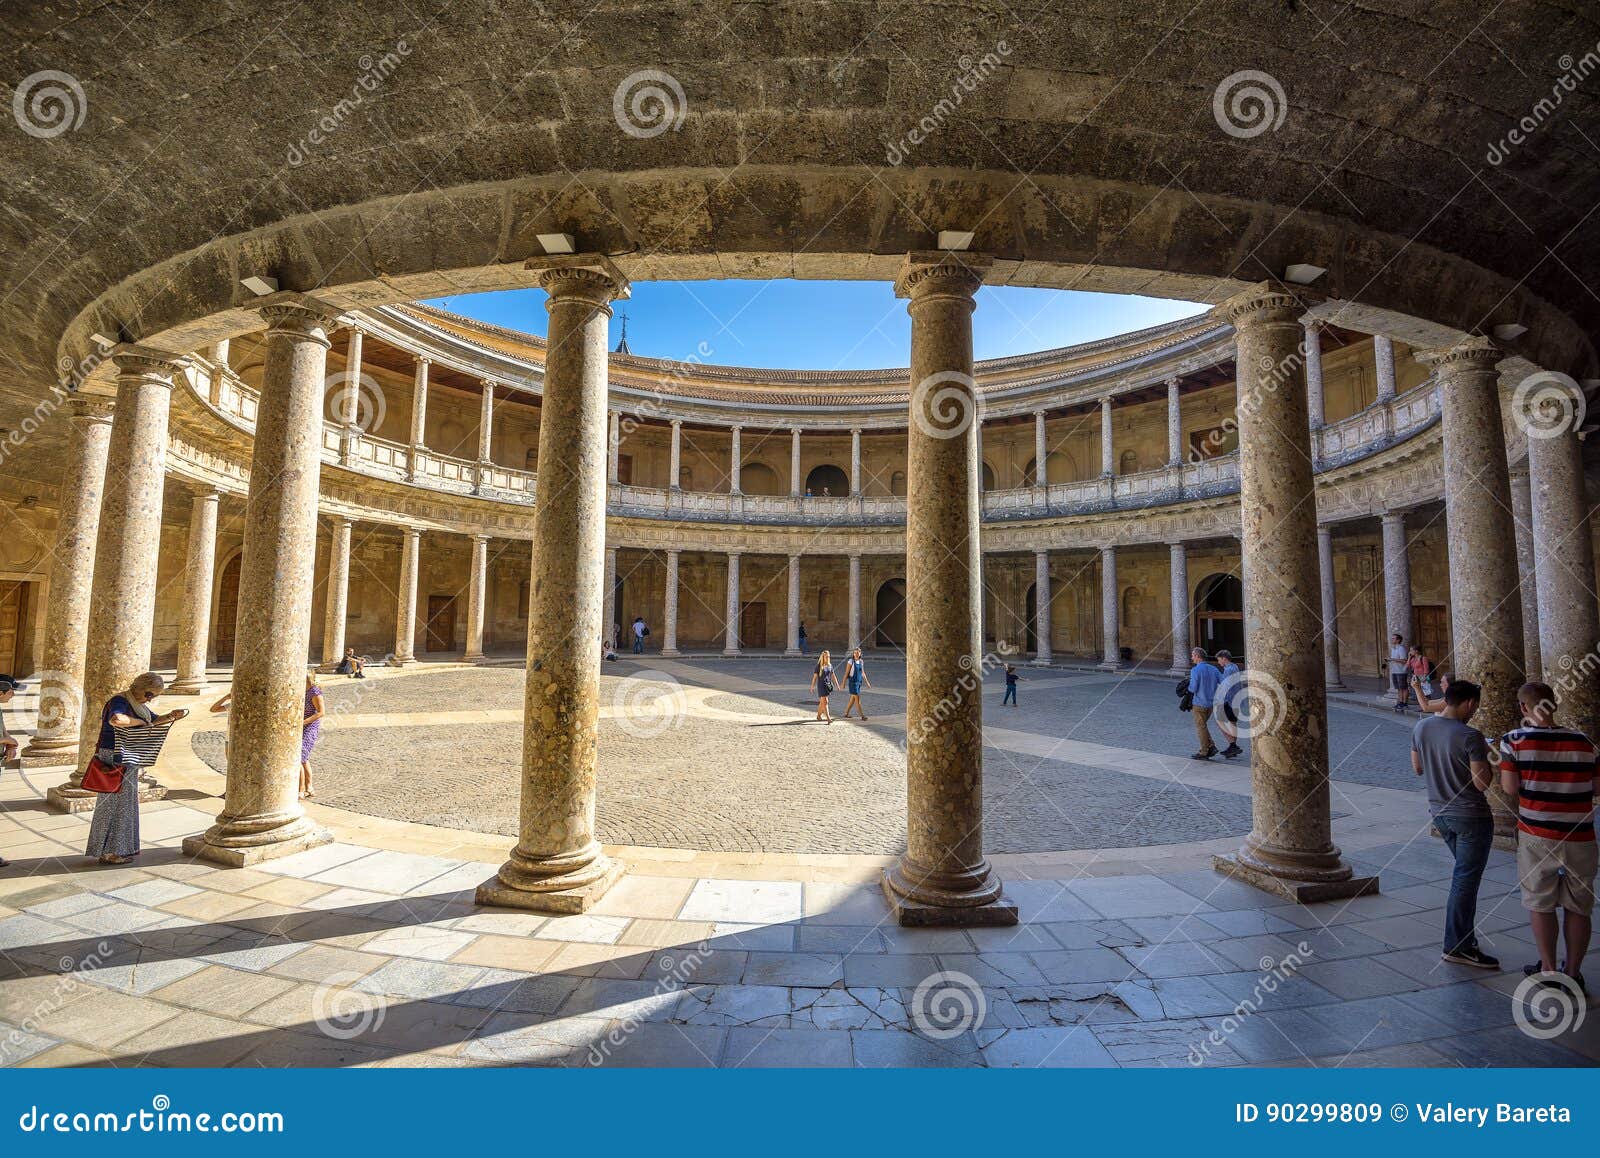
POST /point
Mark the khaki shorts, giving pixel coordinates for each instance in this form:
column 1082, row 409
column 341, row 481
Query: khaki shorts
column 1557, row 874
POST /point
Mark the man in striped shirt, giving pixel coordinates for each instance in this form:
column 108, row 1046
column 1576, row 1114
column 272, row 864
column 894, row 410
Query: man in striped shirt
column 1551, row 771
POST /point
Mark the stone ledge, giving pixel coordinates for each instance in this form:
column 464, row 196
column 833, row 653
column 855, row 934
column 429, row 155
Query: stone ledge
column 916, row 915
column 1300, row 892
column 200, row 849
column 563, row 902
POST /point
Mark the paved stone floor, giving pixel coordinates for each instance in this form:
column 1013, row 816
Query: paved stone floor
column 369, row 951
column 1088, row 761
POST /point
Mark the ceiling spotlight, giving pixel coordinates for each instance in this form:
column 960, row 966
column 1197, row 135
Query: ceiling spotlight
column 557, row 243
column 1510, row 332
column 259, row 285
column 954, row 239
column 1302, row 274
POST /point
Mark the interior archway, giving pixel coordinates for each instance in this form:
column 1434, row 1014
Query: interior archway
column 1219, row 614
column 829, row 478
column 757, row 478
column 890, row 608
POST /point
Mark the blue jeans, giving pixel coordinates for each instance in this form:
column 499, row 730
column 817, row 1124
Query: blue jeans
column 638, row 645
column 1469, row 839
column 1010, row 696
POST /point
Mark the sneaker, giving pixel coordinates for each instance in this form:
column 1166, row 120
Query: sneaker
column 1475, row 957
column 1206, row 755
column 1233, row 750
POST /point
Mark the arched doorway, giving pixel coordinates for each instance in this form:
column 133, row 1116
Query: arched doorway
column 988, row 477
column 757, row 478
column 897, row 483
column 227, row 609
column 828, row 478
column 1219, row 614
column 891, row 614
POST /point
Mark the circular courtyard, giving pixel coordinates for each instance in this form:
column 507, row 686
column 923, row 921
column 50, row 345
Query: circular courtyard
column 727, row 756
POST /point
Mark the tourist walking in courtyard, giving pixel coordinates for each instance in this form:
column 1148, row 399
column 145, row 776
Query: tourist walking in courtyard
column 822, row 684
column 855, row 674
column 1398, row 672
column 1551, row 771
column 1204, row 679
column 114, row 829
column 1012, row 679
column 802, row 637
column 311, row 728
column 640, row 631
column 1452, row 757
column 1232, row 687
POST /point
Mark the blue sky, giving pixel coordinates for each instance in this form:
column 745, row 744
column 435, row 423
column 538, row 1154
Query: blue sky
column 823, row 325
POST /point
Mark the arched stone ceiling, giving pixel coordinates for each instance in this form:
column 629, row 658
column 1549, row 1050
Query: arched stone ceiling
column 1090, row 154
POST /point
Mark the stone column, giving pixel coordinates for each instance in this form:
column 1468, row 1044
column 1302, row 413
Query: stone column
column 1110, row 620
column 261, row 816
column 855, row 602
column 419, row 419
column 1174, row 422
column 349, row 429
column 793, row 601
column 485, row 432
column 943, row 878
column 66, row 613
column 675, row 463
column 405, row 617
column 1330, row 609
column 194, row 628
column 735, row 462
column 1178, row 573
column 794, row 463
column 608, row 615
column 1383, row 361
column 614, row 448
column 1396, row 581
column 1041, row 608
column 477, row 590
column 1568, row 630
column 1522, row 512
column 1041, row 451
column 122, row 603
column 557, row 864
column 855, row 462
column 1290, row 849
column 1311, row 340
column 337, row 604
column 1485, row 609
column 669, row 643
column 731, row 647
column 217, row 354
column 1108, row 462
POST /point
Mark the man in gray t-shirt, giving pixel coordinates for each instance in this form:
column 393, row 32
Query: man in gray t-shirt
column 1453, row 758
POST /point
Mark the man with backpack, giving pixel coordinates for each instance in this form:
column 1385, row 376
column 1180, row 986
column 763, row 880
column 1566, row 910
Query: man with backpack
column 640, row 632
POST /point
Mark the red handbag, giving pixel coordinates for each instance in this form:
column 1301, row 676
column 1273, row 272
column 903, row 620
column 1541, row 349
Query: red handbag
column 99, row 777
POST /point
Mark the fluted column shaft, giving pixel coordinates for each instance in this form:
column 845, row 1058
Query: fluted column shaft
column 1110, row 620
column 731, row 646
column 855, row 602
column 1330, row 609
column 1043, row 651
column 1178, row 575
column 669, row 645
column 66, row 615
column 1522, row 513
column 557, row 864
column 261, row 816
column 1289, row 850
column 943, row 878
column 1396, row 581
column 337, row 604
column 477, row 590
column 194, row 628
column 123, row 602
column 405, row 615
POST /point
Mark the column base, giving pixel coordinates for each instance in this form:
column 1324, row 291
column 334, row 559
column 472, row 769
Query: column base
column 791, row 653
column 563, row 901
column 1337, row 686
column 401, row 661
column 995, row 910
column 1111, row 665
column 1330, row 886
column 733, row 654
column 187, row 688
column 670, row 653
column 1178, row 671
column 470, row 658
column 220, row 849
column 48, row 754
column 74, row 801
column 1041, row 661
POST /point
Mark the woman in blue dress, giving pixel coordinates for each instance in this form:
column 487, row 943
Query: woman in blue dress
column 855, row 674
column 114, row 830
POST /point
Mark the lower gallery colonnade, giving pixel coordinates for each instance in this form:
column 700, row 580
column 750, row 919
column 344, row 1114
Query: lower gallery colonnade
column 1289, row 610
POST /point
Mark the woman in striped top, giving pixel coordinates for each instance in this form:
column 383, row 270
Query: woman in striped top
column 114, row 831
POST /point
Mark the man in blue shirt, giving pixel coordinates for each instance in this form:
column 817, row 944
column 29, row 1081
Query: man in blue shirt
column 1204, row 679
column 1232, row 685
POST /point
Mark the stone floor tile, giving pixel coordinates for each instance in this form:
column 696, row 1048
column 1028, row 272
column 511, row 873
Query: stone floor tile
column 857, row 1007
column 419, row 979
column 74, row 902
column 1186, row 959
column 1243, row 922
column 1046, row 902
column 898, row 1048
column 1051, row 1047
column 996, row 970
column 1464, row 1007
column 1355, row 978
column 18, row 1045
column 888, row 969
column 1416, row 1055
column 425, row 942
column 748, row 902
column 656, row 898
column 829, row 903
column 388, row 872
column 657, row 934
column 1183, row 1043
column 587, row 928
column 1282, row 1035
column 307, row 1050
column 289, row 891
column 195, row 1039
column 650, row 1044
column 502, row 922
column 767, row 1006
column 787, row 1049
column 510, row 1039
column 104, row 1019
column 1136, row 896
column 813, row 969
column 316, row 860
column 252, row 953
column 1506, row 1047
column 598, row 960
column 696, row 966
column 223, row 991
column 1378, row 1022
column 520, row 953
column 1083, row 965
column 324, row 962
column 154, row 892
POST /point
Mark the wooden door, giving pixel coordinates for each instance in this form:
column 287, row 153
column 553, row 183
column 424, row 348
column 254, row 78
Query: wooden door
column 625, row 469
column 227, row 610
column 441, row 625
column 753, row 625
column 1431, row 630
column 13, row 615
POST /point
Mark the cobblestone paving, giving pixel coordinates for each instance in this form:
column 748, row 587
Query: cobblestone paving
column 775, row 781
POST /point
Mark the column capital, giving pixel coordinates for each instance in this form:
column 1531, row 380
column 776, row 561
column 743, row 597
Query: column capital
column 1395, row 514
column 733, row 554
column 487, row 383
column 1172, row 381
column 855, row 431
column 422, row 359
column 205, row 491
column 411, row 532
column 1264, row 304
column 1177, row 544
column 674, row 552
column 677, row 422
column 941, row 273
column 480, row 537
column 342, row 521
column 590, row 277
column 306, row 319
column 737, row 428
column 1313, row 325
column 139, row 362
column 1471, row 353
column 92, row 408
